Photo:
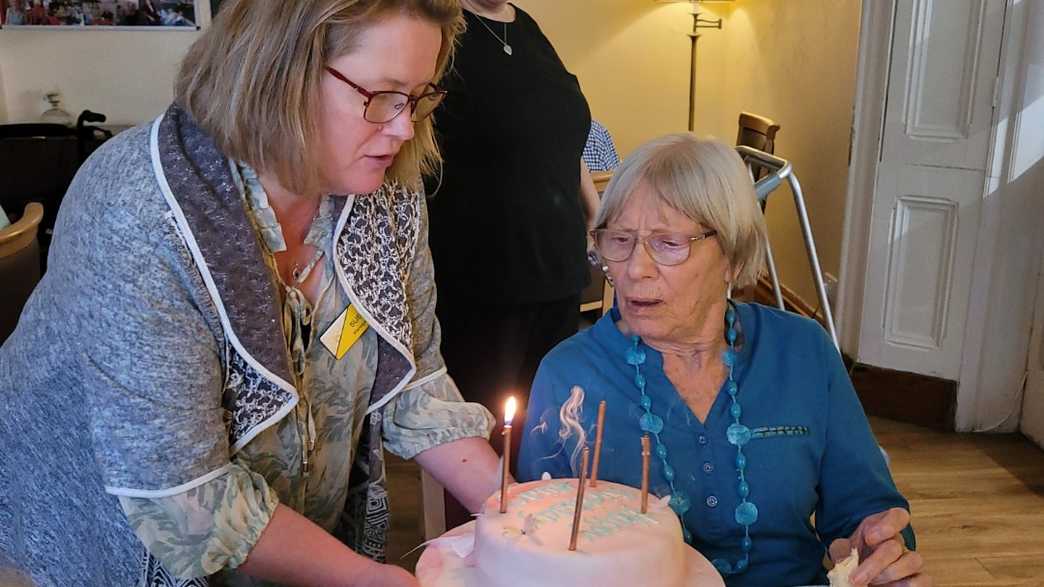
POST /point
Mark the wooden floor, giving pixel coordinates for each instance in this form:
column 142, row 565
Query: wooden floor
column 977, row 501
column 407, row 530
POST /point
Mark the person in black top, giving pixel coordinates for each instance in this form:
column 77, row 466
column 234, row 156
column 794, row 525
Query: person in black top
column 508, row 215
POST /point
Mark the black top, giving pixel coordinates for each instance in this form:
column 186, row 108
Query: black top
column 507, row 225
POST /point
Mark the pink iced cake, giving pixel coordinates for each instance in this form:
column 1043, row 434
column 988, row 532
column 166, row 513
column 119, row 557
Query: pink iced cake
column 529, row 545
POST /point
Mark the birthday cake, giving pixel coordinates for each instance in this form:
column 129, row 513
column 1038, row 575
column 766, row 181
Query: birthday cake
column 617, row 545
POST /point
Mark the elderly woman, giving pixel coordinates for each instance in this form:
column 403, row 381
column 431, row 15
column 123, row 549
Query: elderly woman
column 238, row 317
column 753, row 421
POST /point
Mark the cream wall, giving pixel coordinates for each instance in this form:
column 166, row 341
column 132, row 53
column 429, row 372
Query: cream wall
column 632, row 59
column 791, row 61
column 127, row 75
column 3, row 96
column 794, row 62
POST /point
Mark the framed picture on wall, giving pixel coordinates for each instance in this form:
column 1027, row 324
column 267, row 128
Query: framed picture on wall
column 100, row 14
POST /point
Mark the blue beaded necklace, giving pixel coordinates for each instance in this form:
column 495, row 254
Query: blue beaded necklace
column 737, row 434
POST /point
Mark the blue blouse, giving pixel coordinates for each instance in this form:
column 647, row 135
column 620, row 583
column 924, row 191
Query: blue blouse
column 812, row 452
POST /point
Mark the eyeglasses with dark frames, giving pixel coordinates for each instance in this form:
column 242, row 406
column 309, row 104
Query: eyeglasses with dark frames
column 384, row 106
column 666, row 248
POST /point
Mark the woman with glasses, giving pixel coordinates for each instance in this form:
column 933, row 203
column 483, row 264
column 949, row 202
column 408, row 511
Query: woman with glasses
column 753, row 423
column 238, row 318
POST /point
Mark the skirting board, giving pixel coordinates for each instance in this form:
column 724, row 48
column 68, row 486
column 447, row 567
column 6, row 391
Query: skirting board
column 907, row 397
column 763, row 294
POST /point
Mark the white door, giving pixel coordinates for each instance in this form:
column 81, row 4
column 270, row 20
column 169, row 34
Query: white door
column 930, row 183
column 1032, row 424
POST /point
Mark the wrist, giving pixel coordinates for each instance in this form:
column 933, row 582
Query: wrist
column 370, row 574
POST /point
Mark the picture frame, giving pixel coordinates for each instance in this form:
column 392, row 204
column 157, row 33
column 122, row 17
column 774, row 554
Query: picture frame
column 100, row 14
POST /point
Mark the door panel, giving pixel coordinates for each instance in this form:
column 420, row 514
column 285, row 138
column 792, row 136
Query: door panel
column 930, row 184
column 940, row 94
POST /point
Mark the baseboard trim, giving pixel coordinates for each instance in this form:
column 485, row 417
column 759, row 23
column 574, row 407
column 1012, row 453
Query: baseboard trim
column 907, row 397
column 763, row 294
column 897, row 395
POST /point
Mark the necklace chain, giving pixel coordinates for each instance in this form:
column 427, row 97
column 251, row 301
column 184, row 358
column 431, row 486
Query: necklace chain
column 737, row 434
column 503, row 41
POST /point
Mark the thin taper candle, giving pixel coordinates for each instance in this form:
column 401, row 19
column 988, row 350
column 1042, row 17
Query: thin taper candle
column 598, row 443
column 509, row 414
column 581, row 483
column 645, row 473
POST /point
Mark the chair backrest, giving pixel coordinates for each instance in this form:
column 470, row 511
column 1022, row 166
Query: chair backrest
column 757, row 132
column 594, row 295
column 19, row 266
column 37, row 169
column 35, row 129
column 601, row 180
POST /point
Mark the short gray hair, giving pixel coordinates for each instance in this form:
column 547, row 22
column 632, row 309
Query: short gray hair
column 707, row 182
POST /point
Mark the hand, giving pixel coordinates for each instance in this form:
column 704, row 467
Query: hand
column 883, row 557
column 389, row 576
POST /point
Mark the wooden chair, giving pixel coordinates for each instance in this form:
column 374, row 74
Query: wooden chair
column 601, row 179
column 757, row 138
column 38, row 162
column 19, row 266
column 599, row 294
column 758, row 132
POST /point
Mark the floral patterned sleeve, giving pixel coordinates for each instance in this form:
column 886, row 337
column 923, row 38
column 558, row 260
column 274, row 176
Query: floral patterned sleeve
column 207, row 528
column 430, row 410
column 431, row 414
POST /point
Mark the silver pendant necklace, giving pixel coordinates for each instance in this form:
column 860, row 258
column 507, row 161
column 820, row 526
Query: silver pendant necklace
column 507, row 47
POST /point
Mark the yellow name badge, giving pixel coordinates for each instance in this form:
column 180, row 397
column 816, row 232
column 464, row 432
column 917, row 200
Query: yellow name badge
column 343, row 333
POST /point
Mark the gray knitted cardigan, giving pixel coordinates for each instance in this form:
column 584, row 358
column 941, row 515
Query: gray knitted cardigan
column 104, row 384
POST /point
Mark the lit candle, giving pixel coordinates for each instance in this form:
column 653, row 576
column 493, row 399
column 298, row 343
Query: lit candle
column 645, row 473
column 581, row 482
column 598, row 443
column 509, row 414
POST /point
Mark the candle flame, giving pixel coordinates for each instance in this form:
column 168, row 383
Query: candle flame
column 509, row 410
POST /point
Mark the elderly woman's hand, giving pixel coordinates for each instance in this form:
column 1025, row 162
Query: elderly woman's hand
column 884, row 559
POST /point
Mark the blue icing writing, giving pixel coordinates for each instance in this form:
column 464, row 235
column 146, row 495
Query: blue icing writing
column 553, row 514
column 593, row 526
column 595, row 500
column 550, row 490
column 614, row 522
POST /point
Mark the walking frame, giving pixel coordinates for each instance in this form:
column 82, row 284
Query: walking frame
column 778, row 170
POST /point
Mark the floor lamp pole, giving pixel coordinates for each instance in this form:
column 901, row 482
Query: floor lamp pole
column 693, row 37
column 697, row 24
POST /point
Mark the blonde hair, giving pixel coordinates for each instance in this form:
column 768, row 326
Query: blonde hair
column 708, row 183
column 252, row 80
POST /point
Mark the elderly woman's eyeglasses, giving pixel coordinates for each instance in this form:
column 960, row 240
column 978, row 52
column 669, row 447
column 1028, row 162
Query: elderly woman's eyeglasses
column 382, row 107
column 666, row 248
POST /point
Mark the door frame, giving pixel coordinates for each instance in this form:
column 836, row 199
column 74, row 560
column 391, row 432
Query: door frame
column 872, row 71
column 1033, row 394
column 875, row 48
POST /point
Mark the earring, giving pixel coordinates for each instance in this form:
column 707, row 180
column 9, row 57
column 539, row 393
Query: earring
column 596, row 260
